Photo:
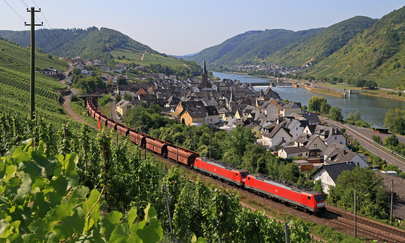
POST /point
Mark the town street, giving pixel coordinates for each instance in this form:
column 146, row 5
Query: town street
column 364, row 137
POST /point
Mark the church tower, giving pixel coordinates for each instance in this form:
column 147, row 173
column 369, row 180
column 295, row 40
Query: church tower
column 204, row 73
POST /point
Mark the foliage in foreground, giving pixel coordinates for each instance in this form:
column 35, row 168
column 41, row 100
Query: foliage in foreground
column 41, row 202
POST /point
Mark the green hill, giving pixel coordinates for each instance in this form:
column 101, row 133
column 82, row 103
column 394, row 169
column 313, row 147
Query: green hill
column 377, row 53
column 91, row 43
column 15, row 83
column 251, row 47
column 317, row 47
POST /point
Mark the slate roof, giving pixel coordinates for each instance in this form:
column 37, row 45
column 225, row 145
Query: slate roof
column 212, row 110
column 292, row 150
column 311, row 117
column 332, row 147
column 340, row 156
column 292, row 105
column 335, row 170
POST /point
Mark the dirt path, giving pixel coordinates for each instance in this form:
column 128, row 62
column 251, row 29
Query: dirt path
column 143, row 55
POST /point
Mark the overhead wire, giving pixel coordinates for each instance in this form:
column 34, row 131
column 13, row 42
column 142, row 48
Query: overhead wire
column 14, row 10
column 46, row 20
column 52, row 44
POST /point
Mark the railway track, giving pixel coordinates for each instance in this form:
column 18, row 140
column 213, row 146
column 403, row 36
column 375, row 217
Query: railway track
column 337, row 219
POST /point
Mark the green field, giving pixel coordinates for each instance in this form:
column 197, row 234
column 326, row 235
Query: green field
column 148, row 59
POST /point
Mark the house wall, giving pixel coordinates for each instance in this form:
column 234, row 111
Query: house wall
column 272, row 112
column 318, row 144
column 212, row 119
column 296, row 130
column 337, row 139
column 326, row 180
column 278, row 138
column 283, row 154
column 359, row 161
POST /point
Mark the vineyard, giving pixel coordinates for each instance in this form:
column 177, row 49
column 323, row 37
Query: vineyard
column 73, row 186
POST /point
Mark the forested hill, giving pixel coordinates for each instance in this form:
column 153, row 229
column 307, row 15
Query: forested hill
column 316, row 47
column 91, row 43
column 252, row 47
column 377, row 53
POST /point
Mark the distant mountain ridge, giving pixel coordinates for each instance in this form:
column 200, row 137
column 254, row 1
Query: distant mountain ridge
column 317, row 47
column 90, row 43
column 250, row 47
column 377, row 53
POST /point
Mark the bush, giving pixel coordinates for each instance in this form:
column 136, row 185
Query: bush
column 104, row 100
column 74, row 98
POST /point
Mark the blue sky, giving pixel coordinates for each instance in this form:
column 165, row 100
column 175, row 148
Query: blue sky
column 182, row 27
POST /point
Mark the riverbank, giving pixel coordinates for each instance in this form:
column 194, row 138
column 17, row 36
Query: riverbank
column 384, row 94
column 325, row 91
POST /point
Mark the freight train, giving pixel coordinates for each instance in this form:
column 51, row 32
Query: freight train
column 257, row 183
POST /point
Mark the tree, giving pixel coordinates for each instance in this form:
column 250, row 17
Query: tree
column 371, row 199
column 398, row 125
column 325, row 107
column 357, row 116
column 118, row 98
column 371, row 84
column 335, row 113
column 128, row 97
column 360, row 83
column 122, row 81
column 377, row 139
column 315, row 103
column 77, row 71
column 391, row 141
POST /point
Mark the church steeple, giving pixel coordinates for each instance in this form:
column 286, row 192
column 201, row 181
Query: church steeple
column 204, row 75
column 205, row 67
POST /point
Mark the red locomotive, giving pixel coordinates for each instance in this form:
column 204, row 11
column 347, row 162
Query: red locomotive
column 257, row 183
column 221, row 170
column 284, row 191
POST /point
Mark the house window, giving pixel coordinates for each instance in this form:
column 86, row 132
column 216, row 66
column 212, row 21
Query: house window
column 335, row 137
column 315, row 145
column 296, row 128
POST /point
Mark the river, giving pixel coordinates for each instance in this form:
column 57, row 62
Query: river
column 372, row 109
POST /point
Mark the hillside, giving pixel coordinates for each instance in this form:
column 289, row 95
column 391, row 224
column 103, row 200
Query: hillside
column 317, row 47
column 251, row 47
column 377, row 53
column 15, row 84
column 91, row 43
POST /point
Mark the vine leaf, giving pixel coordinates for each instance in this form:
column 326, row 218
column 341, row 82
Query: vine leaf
column 109, row 222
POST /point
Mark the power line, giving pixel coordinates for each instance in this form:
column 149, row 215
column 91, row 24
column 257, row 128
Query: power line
column 46, row 20
column 22, row 1
column 14, row 10
column 54, row 44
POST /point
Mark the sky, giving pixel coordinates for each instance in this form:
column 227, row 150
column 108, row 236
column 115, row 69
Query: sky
column 180, row 27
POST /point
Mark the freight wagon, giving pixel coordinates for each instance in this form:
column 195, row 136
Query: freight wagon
column 181, row 155
column 221, row 170
column 285, row 191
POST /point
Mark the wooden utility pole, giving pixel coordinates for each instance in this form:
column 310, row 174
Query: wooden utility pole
column 32, row 87
column 168, row 211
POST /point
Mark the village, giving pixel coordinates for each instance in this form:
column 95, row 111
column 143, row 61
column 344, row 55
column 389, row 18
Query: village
column 281, row 126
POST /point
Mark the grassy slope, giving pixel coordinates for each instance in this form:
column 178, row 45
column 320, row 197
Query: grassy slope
column 15, row 84
column 377, row 53
column 149, row 58
column 321, row 45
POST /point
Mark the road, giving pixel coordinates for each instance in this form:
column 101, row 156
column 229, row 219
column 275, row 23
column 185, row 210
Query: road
column 364, row 137
column 113, row 110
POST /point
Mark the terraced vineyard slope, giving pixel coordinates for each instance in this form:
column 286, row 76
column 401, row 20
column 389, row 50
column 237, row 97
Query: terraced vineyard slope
column 15, row 83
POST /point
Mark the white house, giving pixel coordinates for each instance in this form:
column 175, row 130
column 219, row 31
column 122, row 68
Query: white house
column 278, row 136
column 290, row 152
column 328, row 174
column 292, row 107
